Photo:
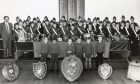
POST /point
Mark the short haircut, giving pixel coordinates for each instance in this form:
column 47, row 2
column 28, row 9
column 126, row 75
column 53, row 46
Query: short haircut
column 132, row 17
column 114, row 17
column 28, row 17
column 6, row 17
column 17, row 17
column 63, row 17
column 123, row 16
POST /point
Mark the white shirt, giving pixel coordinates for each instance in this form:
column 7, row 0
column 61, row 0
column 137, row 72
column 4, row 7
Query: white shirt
column 7, row 26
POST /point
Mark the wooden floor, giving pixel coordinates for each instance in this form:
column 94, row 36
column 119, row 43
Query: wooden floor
column 89, row 77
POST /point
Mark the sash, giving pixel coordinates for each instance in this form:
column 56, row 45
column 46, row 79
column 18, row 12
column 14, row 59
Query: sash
column 31, row 30
column 88, row 30
column 127, row 31
column 38, row 30
column 54, row 31
column 109, row 31
column 63, row 30
column 117, row 31
column 135, row 32
column 71, row 32
column 80, row 30
column 100, row 29
column 94, row 28
column 47, row 30
column 23, row 30
column 16, row 31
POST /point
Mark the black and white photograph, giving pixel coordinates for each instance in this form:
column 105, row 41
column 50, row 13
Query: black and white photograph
column 69, row 41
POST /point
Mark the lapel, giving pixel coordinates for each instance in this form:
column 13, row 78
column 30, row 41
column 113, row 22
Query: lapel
column 4, row 26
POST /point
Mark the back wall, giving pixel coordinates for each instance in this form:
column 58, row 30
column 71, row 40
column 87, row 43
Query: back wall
column 50, row 8
column 110, row 8
column 34, row 8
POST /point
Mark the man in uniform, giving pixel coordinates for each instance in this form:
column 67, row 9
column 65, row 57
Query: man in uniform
column 63, row 30
column 54, row 51
column 100, row 50
column 70, row 49
column 54, row 31
column 88, row 53
column 79, row 48
column 45, row 49
column 73, row 32
column 81, row 30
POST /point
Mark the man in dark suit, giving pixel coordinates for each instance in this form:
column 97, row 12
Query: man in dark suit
column 6, row 32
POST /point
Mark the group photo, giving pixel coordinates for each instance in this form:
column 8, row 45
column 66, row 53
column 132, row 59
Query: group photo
column 70, row 41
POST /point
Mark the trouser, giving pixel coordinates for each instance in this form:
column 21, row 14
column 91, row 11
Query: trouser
column 88, row 63
column 7, row 47
column 99, row 59
column 135, row 48
column 79, row 55
column 44, row 57
column 55, row 61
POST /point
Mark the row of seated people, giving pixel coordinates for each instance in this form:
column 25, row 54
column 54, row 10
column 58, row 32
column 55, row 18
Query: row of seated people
column 123, row 30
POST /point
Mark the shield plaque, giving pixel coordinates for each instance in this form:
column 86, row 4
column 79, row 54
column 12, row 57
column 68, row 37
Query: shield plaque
column 40, row 69
column 105, row 71
column 10, row 72
column 71, row 68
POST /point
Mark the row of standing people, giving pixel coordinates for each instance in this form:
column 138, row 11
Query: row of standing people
column 82, row 50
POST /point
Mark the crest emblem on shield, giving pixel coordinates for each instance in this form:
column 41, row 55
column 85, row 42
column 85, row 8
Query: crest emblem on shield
column 71, row 68
column 105, row 71
column 10, row 72
column 40, row 69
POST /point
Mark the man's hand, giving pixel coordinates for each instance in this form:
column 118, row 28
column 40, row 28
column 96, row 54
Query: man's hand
column 39, row 55
column 103, row 55
column 91, row 56
column 96, row 55
column 49, row 56
column 84, row 55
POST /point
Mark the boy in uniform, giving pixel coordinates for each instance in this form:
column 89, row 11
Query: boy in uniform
column 88, row 53
column 100, row 48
